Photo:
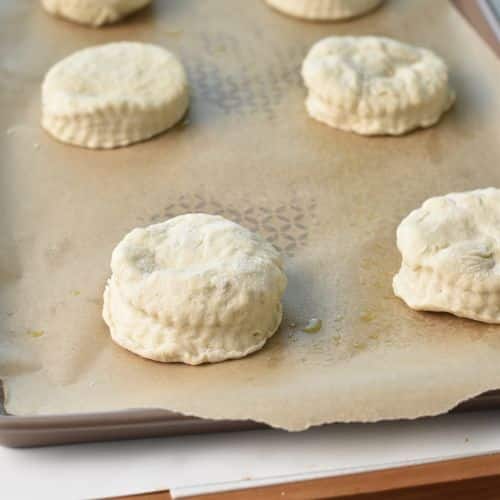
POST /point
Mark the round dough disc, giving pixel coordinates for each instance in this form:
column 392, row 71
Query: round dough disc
column 324, row 10
column 113, row 95
column 375, row 85
column 196, row 288
column 450, row 249
column 94, row 12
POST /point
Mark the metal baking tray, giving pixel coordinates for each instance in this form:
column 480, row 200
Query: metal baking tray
column 27, row 431
column 19, row 432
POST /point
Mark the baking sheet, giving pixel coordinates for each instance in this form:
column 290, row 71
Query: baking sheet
column 329, row 200
column 50, row 430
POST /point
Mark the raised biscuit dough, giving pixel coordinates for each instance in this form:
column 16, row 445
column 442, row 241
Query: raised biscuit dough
column 196, row 288
column 113, row 95
column 94, row 12
column 450, row 249
column 375, row 85
column 324, row 10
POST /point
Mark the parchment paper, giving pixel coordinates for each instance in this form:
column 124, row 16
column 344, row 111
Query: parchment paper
column 331, row 201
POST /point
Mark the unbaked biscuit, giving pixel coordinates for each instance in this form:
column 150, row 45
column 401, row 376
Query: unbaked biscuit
column 113, row 95
column 195, row 289
column 94, row 12
column 375, row 85
column 324, row 10
column 450, row 249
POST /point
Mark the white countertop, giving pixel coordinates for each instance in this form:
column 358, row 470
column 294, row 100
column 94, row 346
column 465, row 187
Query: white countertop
column 208, row 463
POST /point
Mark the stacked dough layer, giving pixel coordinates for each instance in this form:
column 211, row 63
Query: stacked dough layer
column 94, row 12
column 197, row 288
column 113, row 95
column 375, row 85
column 450, row 249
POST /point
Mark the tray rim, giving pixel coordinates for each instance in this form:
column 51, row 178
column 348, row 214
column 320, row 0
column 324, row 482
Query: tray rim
column 134, row 416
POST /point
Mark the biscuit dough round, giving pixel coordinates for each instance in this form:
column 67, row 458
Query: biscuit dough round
column 113, row 95
column 94, row 12
column 196, row 288
column 375, row 85
column 450, row 249
column 324, row 10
